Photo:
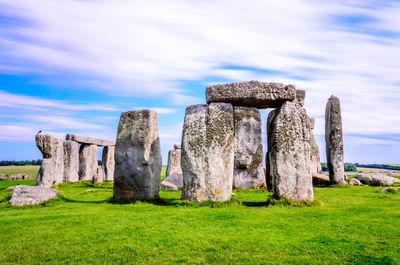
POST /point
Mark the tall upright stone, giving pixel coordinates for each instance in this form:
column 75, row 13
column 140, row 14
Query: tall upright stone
column 315, row 158
column 208, row 145
column 52, row 169
column 334, row 140
column 108, row 162
column 138, row 163
column 248, row 171
column 289, row 152
column 174, row 161
column 87, row 161
column 71, row 161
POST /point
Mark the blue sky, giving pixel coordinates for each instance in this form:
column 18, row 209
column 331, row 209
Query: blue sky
column 73, row 66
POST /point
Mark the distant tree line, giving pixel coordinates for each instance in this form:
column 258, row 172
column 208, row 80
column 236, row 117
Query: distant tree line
column 21, row 163
column 347, row 167
column 381, row 166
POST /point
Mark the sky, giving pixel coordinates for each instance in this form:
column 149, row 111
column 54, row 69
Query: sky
column 71, row 66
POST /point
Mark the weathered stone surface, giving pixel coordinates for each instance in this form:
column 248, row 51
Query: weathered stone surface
column 251, row 94
column 353, row 181
column 87, row 161
column 248, row 171
column 289, row 152
column 23, row 195
column 377, row 179
column 208, row 145
column 300, row 97
column 108, row 162
column 173, row 182
column 88, row 140
column 334, row 140
column 320, row 179
column 390, row 188
column 137, row 156
column 71, row 161
column 52, row 169
column 177, row 146
column 174, row 162
column 314, row 150
column 99, row 176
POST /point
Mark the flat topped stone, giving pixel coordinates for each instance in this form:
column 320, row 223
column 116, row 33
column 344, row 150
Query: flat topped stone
column 23, row 195
column 251, row 94
column 88, row 140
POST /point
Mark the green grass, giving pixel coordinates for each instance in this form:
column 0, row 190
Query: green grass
column 350, row 225
column 30, row 170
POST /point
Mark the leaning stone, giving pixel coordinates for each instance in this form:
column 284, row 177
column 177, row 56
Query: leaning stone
column 334, row 140
column 208, row 145
column 108, row 162
column 87, row 161
column 289, row 153
column 137, row 156
column 23, row 195
column 251, row 94
column 88, row 140
column 248, row 171
column 52, row 169
column 377, row 179
column 71, row 161
column 174, row 162
column 174, row 182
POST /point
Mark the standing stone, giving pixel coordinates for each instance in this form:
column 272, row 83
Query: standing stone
column 248, row 171
column 174, row 161
column 208, row 145
column 52, row 169
column 108, row 162
column 334, row 140
column 289, row 152
column 71, row 161
column 87, row 161
column 99, row 176
column 137, row 156
column 315, row 159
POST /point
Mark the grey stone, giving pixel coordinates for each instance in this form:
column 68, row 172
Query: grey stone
column 88, row 140
column 23, row 195
column 173, row 182
column 174, row 162
column 354, row 181
column 320, row 179
column 377, row 179
column 248, row 171
column 52, row 169
column 137, row 156
column 315, row 158
column 208, row 145
column 390, row 188
column 108, row 162
column 289, row 152
column 177, row 146
column 87, row 161
column 71, row 161
column 334, row 140
column 300, row 97
column 251, row 94
column 99, row 176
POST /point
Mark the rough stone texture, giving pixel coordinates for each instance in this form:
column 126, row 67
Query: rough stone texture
column 23, row 195
column 334, row 140
column 108, row 162
column 248, row 172
column 71, row 161
column 99, row 176
column 289, row 152
column 208, row 145
column 300, row 97
column 87, row 161
column 377, row 179
column 173, row 182
column 315, row 159
column 52, row 169
column 88, row 140
column 174, row 162
column 320, row 179
column 354, row 181
column 177, row 146
column 137, row 156
column 390, row 188
column 251, row 94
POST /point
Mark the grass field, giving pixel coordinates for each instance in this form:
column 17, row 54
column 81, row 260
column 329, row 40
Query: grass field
column 352, row 225
column 30, row 170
